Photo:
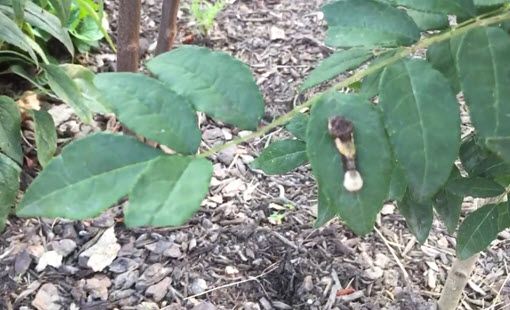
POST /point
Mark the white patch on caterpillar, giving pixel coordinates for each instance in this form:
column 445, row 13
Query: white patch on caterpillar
column 353, row 181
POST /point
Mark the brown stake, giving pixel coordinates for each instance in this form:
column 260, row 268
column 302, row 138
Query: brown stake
column 168, row 26
column 128, row 35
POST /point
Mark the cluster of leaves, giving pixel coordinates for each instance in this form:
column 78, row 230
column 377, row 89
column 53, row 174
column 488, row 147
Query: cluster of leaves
column 205, row 12
column 408, row 142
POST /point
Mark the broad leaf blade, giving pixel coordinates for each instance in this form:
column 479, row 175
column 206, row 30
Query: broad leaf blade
column 463, row 8
column 418, row 215
column 337, row 64
column 13, row 35
column 10, row 129
column 168, row 192
column 478, row 161
column 214, row 82
column 475, row 186
column 297, row 126
column 9, row 185
column 281, row 157
column 87, row 177
column 422, row 119
column 65, row 88
column 368, row 23
column 374, row 158
column 148, row 107
column 428, row 21
column 398, row 184
column 441, row 56
column 481, row 227
column 448, row 206
column 370, row 85
column 45, row 136
column 484, row 69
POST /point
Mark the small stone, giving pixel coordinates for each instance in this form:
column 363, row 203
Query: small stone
column 50, row 258
column 102, row 254
column 158, row 291
column 276, row 33
column 22, row 262
column 381, row 260
column 147, row 306
column 204, row 306
column 98, row 286
column 227, row 156
column 231, row 270
column 123, row 264
column 159, row 247
column 211, row 135
column 63, row 247
column 105, row 220
column 153, row 274
column 307, row 284
column 47, row 298
column 374, row 273
column 126, row 280
column 251, row 306
column 174, row 251
column 198, row 286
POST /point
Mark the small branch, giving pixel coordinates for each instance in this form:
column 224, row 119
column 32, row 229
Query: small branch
column 167, row 26
column 458, row 276
column 358, row 76
column 128, row 35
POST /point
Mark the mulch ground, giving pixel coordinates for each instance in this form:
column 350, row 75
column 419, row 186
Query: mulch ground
column 252, row 245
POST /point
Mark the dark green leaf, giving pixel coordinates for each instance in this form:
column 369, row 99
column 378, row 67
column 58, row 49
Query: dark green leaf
column 480, row 228
column 84, row 80
column 20, row 71
column 440, row 55
column 484, row 69
column 422, row 120
column 65, row 88
column 448, row 206
column 398, row 184
column 297, row 126
column 281, row 157
column 45, row 136
column 478, row 161
column 370, row 85
column 148, row 107
column 463, row 8
column 428, row 21
column 475, row 186
column 368, row 23
column 9, row 185
column 13, row 35
column 215, row 83
column 62, row 9
column 325, row 212
column 18, row 8
column 88, row 30
column 418, row 215
column 374, row 158
column 337, row 64
column 489, row 2
column 168, row 192
column 87, row 177
column 10, row 129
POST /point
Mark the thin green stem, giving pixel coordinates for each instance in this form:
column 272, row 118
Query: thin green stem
column 358, row 76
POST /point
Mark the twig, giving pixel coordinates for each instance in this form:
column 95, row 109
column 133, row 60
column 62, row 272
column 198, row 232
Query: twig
column 167, row 26
column 392, row 251
column 269, row 269
column 128, row 35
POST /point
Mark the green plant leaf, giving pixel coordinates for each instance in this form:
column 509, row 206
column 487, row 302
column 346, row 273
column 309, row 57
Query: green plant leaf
column 97, row 17
column 40, row 18
column 368, row 23
column 18, row 8
column 84, row 80
column 448, row 206
column 9, row 185
column 440, row 56
column 475, row 186
column 398, row 184
column 45, row 136
column 370, row 85
column 463, row 8
column 478, row 161
column 281, row 157
column 10, row 129
column 418, row 215
column 214, row 82
column 65, row 88
column 374, row 159
column 62, row 9
column 489, row 2
column 297, row 126
column 481, row 227
column 13, row 35
column 422, row 119
column 88, row 30
column 484, row 69
column 336, row 64
column 428, row 21
column 88, row 176
column 148, row 107
column 21, row 72
column 168, row 192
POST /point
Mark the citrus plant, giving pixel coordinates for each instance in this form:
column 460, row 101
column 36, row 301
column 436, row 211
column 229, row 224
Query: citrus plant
column 398, row 138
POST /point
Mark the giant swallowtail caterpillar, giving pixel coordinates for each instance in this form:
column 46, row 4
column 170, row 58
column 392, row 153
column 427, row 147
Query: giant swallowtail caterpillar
column 342, row 130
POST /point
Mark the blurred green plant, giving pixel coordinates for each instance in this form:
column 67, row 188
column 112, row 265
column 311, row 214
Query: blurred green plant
column 205, row 12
